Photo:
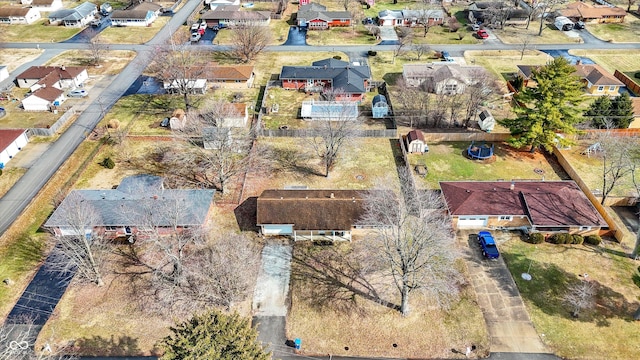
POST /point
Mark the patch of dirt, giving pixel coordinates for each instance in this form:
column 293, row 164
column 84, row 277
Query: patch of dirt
column 13, row 58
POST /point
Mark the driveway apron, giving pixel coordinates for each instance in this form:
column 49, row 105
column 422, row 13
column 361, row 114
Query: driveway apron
column 508, row 322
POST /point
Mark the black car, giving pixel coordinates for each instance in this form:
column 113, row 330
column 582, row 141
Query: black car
column 579, row 25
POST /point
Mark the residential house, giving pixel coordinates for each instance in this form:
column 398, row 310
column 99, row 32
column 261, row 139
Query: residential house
column 390, row 18
column 43, row 99
column 311, row 214
column 593, row 13
column 597, row 80
column 231, row 15
column 525, row 72
column 379, row 107
column 440, row 78
column 415, row 143
column 329, row 110
column 545, row 206
column 418, row 17
column 79, row 16
column 351, row 80
column 60, row 77
column 143, row 14
column 239, row 76
column 44, row 5
column 17, row 15
column 4, row 72
column 497, row 14
column 316, row 17
column 481, row 12
column 193, row 86
column 139, row 205
column 11, row 142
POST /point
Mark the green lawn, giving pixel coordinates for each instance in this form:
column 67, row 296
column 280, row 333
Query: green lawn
column 445, row 162
column 341, row 35
column 503, row 63
column 604, row 332
column 133, row 34
column 626, row 61
column 39, row 31
column 629, row 31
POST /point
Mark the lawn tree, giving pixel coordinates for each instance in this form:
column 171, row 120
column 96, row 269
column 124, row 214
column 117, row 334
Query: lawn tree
column 454, row 24
column 543, row 9
column 84, row 252
column 480, row 88
column 580, row 296
column 405, row 38
column 617, row 162
column 421, row 50
column 412, row 241
column 213, row 335
column 374, row 30
column 97, row 48
column 413, row 104
column 17, row 342
column 548, row 108
column 331, row 135
column 525, row 41
column 357, row 14
column 630, row 3
column 424, row 15
column 248, row 41
column 178, row 66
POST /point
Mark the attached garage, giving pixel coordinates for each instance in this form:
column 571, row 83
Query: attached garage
column 472, row 221
column 277, row 229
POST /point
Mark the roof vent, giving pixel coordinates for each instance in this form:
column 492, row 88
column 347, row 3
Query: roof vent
column 332, row 196
column 512, row 186
column 63, row 68
column 468, row 190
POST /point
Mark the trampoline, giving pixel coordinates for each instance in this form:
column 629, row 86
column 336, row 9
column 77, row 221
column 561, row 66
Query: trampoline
column 480, row 152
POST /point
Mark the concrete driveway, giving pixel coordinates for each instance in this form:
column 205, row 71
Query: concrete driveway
column 508, row 322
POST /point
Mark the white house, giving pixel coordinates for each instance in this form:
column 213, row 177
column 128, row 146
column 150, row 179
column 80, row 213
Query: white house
column 4, row 72
column 11, row 142
column 133, row 18
column 60, row 77
column 440, row 78
column 44, row 5
column 79, row 16
column 43, row 99
column 18, row 15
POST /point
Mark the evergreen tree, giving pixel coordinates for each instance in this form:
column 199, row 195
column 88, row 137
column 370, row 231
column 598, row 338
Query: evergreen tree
column 549, row 108
column 622, row 109
column 606, row 112
column 214, row 335
column 600, row 113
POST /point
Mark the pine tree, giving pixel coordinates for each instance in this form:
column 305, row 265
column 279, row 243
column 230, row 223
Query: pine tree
column 600, row 113
column 213, row 335
column 549, row 108
column 622, row 109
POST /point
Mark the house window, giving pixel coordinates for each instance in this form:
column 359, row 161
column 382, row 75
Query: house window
column 450, row 88
column 600, row 88
column 612, row 88
column 111, row 228
column 505, row 217
column 584, row 228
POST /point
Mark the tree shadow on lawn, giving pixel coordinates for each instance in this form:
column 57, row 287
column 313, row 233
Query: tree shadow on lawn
column 292, row 160
column 102, row 346
column 550, row 283
column 332, row 277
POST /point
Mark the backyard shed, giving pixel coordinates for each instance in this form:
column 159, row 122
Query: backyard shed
column 415, row 142
column 486, row 121
column 379, row 106
column 11, row 142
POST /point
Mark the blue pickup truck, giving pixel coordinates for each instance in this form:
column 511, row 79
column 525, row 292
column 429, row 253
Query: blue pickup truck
column 488, row 245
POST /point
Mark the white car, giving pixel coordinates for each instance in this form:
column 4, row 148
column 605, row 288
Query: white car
column 203, row 26
column 195, row 27
column 195, row 37
column 77, row 93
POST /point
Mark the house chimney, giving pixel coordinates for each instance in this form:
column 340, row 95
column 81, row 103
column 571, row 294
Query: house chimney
column 579, row 62
column 63, row 68
column 332, row 196
column 512, row 186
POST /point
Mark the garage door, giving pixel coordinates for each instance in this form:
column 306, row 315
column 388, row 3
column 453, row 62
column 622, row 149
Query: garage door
column 472, row 221
column 277, row 229
column 69, row 231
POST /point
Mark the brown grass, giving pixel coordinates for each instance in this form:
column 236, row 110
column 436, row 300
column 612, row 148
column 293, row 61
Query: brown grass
column 9, row 177
column 12, row 58
column 112, row 63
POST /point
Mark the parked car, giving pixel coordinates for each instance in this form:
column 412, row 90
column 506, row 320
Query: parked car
column 488, row 245
column 195, row 37
column 475, row 27
column 203, row 25
column 78, row 93
column 579, row 25
column 201, row 31
column 446, row 56
column 3, row 112
column 367, row 21
column 482, row 34
column 97, row 22
column 105, row 9
column 165, row 122
column 195, row 27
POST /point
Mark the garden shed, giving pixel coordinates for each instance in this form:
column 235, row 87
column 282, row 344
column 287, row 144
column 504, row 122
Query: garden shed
column 379, row 106
column 486, row 121
column 415, row 142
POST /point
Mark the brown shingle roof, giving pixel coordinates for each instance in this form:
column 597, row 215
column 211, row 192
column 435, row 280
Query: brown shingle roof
column 596, row 75
column 546, row 203
column 48, row 93
column 39, row 72
column 41, row 2
column 8, row 136
column 233, row 12
column 415, row 135
column 137, row 14
column 241, row 72
column 13, row 11
column 311, row 209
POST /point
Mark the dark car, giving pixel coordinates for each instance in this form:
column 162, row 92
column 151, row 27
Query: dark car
column 488, row 245
column 579, row 25
column 165, row 122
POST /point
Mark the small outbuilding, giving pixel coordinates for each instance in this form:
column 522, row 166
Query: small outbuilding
column 379, row 106
column 11, row 142
column 415, row 142
column 486, row 121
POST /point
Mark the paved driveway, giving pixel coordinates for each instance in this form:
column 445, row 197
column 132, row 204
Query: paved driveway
column 508, row 323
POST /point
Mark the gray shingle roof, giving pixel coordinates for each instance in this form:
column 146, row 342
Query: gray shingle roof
column 347, row 77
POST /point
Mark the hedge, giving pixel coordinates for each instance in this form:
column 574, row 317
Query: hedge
column 593, row 240
column 535, row 238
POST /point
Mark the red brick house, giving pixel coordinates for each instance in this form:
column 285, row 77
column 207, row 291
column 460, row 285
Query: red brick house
column 582, row 11
column 545, row 206
column 316, row 17
column 352, row 80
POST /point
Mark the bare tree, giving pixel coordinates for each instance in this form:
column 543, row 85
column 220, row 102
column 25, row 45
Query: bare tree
column 421, row 50
column 412, row 241
column 525, row 41
column 97, row 48
column 17, row 341
column 454, row 24
column 617, row 162
column 374, row 30
column 336, row 127
column 543, row 9
column 249, row 40
column 479, row 90
column 414, row 104
column 178, row 66
column 405, row 37
column 630, row 4
column 82, row 252
column 357, row 14
column 424, row 15
column 580, row 296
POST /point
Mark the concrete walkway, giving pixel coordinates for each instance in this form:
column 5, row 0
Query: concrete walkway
column 508, row 322
column 270, row 297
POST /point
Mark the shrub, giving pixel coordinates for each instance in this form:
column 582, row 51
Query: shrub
column 372, row 53
column 108, row 163
column 535, row 238
column 577, row 239
column 337, row 57
column 561, row 238
column 593, row 240
column 637, row 75
column 113, row 124
column 0, row 171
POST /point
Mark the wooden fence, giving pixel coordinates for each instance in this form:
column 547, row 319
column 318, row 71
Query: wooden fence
column 51, row 130
column 596, row 133
column 302, row 133
column 628, row 82
column 464, row 136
